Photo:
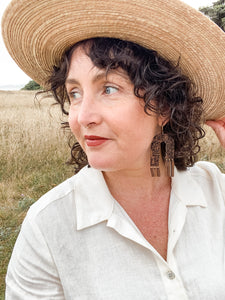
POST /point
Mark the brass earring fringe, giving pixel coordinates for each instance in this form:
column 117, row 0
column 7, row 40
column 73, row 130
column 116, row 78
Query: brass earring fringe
column 156, row 151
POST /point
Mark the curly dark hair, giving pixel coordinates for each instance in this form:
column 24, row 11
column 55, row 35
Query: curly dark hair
column 167, row 92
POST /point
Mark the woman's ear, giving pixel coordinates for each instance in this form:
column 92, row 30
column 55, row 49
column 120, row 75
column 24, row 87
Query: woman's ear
column 163, row 120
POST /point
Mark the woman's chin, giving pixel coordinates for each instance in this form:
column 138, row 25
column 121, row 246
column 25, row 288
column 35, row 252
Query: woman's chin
column 103, row 165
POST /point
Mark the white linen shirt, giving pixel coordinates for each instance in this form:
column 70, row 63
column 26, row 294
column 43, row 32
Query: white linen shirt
column 77, row 242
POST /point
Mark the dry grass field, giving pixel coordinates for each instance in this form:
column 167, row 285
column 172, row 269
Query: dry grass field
column 32, row 160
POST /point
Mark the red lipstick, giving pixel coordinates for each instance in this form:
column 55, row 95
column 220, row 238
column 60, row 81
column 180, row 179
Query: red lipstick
column 93, row 140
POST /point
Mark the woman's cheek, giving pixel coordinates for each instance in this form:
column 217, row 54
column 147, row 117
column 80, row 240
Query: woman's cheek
column 73, row 122
column 70, row 121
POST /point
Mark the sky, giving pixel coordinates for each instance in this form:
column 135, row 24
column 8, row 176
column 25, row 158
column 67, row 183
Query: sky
column 11, row 74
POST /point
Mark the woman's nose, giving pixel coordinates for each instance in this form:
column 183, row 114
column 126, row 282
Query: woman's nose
column 89, row 112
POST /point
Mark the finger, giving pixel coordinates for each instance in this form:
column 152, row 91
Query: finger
column 219, row 128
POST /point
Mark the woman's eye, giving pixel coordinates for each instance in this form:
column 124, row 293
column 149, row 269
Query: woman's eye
column 74, row 95
column 110, row 90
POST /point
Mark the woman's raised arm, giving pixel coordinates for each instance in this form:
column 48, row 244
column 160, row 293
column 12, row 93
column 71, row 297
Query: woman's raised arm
column 219, row 128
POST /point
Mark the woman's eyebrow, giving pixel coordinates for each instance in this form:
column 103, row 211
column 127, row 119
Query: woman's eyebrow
column 71, row 81
column 101, row 74
column 104, row 74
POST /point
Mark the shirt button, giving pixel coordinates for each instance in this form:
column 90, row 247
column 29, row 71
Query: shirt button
column 170, row 275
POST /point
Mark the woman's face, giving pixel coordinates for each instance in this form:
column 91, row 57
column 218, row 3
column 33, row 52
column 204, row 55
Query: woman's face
column 107, row 119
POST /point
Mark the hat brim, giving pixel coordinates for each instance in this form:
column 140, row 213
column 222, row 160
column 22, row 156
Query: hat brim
column 37, row 33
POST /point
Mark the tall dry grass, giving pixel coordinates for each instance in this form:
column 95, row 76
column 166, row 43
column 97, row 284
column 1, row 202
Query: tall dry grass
column 211, row 149
column 31, row 141
column 32, row 160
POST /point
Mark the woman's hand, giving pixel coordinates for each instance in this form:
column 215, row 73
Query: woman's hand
column 219, row 128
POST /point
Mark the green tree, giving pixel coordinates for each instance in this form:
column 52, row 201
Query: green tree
column 32, row 85
column 216, row 12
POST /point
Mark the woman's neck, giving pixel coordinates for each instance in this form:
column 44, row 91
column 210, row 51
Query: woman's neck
column 137, row 186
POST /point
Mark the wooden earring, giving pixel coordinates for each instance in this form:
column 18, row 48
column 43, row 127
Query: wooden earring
column 156, row 152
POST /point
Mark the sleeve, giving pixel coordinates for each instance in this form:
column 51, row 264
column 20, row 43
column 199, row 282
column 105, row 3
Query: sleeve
column 32, row 273
column 222, row 184
column 217, row 177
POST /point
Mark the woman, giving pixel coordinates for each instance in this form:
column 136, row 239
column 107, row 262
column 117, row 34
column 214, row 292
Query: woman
column 128, row 225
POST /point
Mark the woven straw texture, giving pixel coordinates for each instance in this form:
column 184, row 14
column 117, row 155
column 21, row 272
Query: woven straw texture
column 36, row 34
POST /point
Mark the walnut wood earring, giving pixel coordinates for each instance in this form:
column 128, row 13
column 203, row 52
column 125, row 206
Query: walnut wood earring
column 156, row 152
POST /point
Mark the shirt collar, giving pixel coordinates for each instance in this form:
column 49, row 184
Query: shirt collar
column 187, row 190
column 94, row 202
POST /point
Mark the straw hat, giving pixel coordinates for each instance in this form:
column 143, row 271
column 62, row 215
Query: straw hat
column 36, row 34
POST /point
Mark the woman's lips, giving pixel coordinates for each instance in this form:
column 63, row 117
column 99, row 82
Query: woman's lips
column 93, row 140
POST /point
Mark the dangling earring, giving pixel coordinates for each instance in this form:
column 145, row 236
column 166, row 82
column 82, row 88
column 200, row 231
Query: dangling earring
column 156, row 151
